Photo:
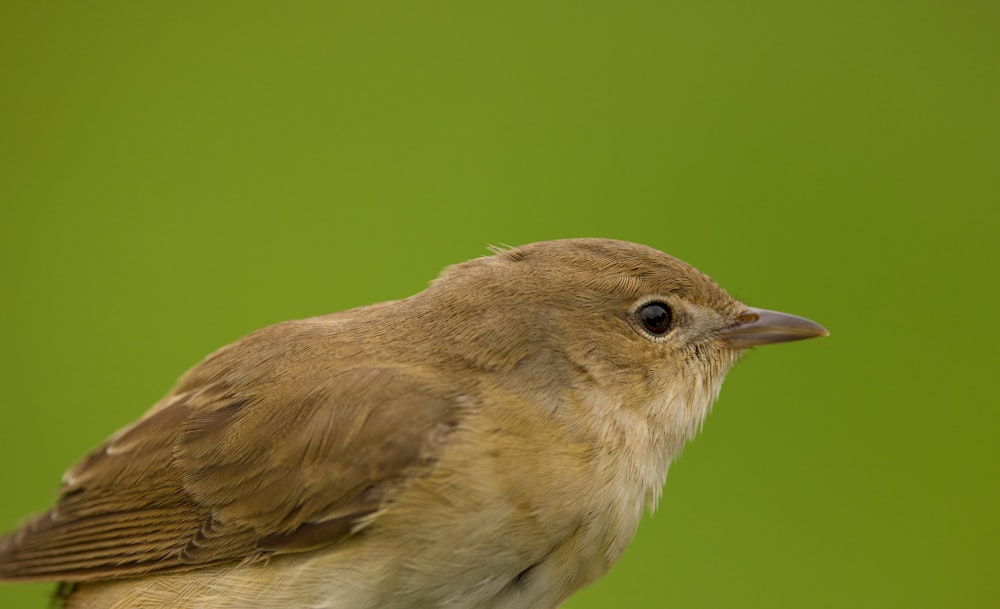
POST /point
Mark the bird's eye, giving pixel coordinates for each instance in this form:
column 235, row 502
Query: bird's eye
column 655, row 317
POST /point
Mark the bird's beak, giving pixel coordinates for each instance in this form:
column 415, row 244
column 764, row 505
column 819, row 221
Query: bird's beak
column 762, row 327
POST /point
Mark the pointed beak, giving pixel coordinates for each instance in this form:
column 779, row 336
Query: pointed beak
column 762, row 327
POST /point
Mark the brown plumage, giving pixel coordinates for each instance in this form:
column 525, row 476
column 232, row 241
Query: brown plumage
column 515, row 412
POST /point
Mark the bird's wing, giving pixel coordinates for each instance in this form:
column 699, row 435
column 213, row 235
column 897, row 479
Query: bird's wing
column 261, row 450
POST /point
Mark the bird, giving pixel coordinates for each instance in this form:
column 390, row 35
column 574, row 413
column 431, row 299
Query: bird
column 490, row 442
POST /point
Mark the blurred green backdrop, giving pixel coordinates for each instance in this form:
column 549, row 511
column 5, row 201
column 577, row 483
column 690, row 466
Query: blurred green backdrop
column 175, row 175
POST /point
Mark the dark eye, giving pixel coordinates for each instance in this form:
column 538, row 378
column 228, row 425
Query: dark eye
column 655, row 317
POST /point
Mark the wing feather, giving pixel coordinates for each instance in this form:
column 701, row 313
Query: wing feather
column 266, row 447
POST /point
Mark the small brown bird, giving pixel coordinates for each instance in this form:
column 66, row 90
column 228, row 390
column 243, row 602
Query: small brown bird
column 488, row 443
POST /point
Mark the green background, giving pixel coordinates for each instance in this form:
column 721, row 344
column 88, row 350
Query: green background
column 174, row 175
